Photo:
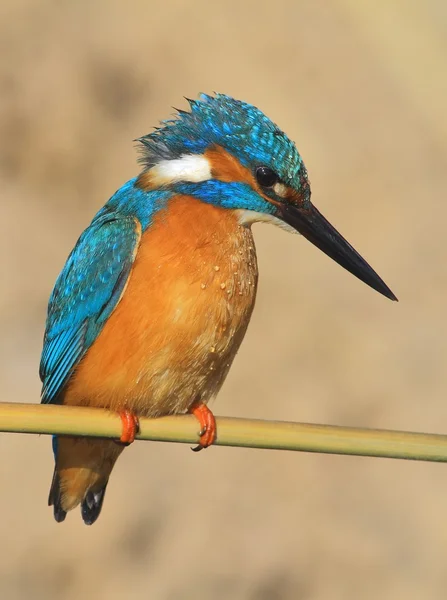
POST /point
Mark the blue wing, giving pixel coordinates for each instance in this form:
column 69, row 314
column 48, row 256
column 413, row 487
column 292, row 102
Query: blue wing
column 85, row 295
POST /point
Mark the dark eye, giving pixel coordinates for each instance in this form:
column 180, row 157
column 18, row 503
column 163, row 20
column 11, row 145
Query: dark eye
column 266, row 177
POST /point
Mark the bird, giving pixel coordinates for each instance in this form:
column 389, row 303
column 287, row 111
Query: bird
column 154, row 300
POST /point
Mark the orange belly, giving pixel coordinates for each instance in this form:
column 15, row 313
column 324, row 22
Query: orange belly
column 174, row 334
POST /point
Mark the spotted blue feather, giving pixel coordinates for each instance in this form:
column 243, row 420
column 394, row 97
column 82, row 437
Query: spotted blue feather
column 241, row 128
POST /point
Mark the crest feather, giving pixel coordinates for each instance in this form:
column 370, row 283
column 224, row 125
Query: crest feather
column 240, row 128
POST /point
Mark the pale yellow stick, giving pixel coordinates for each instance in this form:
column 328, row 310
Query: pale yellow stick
column 250, row 433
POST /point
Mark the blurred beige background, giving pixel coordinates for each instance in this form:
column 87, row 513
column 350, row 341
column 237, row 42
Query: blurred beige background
column 362, row 88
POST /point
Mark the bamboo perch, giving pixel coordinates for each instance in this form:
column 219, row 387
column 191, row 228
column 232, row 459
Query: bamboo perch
column 249, row 433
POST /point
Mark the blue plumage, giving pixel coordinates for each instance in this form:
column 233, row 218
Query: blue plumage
column 85, row 295
column 135, row 202
column 231, row 195
column 240, row 128
column 91, row 283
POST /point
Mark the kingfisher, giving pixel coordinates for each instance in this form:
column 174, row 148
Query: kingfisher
column 154, row 300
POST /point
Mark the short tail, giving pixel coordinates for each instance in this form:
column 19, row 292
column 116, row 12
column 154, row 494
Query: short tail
column 90, row 506
column 81, row 474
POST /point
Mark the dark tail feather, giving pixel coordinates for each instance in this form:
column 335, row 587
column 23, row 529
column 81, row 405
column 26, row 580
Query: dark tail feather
column 91, row 506
column 54, row 499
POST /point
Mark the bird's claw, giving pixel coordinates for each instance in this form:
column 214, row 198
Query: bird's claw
column 131, row 426
column 207, row 433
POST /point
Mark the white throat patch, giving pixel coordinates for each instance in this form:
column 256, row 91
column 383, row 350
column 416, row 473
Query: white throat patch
column 248, row 217
column 189, row 167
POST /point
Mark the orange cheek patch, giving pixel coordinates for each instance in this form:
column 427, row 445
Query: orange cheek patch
column 225, row 167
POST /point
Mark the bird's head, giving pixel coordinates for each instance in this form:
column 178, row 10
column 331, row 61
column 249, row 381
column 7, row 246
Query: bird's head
column 228, row 153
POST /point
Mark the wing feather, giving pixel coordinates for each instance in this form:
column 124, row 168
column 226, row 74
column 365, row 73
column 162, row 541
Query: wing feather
column 87, row 291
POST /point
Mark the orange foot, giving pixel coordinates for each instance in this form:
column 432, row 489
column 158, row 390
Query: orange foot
column 131, row 426
column 208, row 426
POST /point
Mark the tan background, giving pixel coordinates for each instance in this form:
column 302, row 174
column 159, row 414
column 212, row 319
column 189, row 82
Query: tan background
column 362, row 88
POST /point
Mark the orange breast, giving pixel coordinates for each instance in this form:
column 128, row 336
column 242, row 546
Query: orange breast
column 182, row 317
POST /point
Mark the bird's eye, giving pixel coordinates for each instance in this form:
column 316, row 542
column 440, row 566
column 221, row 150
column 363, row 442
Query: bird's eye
column 266, row 177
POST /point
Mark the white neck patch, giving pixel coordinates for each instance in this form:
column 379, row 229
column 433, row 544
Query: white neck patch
column 189, row 167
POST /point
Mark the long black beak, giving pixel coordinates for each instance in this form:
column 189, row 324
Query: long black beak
column 314, row 227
